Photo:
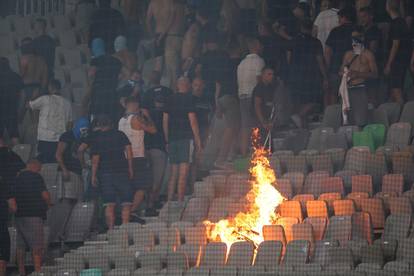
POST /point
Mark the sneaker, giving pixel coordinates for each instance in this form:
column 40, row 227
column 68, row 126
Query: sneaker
column 297, row 121
column 135, row 218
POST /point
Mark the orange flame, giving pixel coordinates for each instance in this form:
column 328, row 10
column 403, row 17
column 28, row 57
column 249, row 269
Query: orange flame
column 261, row 202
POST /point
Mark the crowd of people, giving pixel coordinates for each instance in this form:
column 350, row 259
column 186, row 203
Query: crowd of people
column 265, row 64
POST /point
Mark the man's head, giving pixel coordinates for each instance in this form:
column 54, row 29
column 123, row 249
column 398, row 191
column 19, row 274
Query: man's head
column 268, row 75
column 155, row 77
column 393, row 6
column 264, row 28
column 34, row 165
column 212, row 42
column 197, row 87
column 132, row 105
column 366, row 16
column 254, row 45
column 183, row 85
column 306, row 26
column 40, row 26
column 26, row 46
column 301, row 10
column 347, row 15
column 54, row 86
column 136, row 75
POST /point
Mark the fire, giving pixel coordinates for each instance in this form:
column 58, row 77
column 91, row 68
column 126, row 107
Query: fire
column 261, row 202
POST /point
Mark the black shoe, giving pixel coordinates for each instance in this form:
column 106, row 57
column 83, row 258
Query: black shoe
column 135, row 218
column 151, row 212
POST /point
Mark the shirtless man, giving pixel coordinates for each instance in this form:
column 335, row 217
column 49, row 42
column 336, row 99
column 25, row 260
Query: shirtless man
column 362, row 67
column 169, row 18
column 191, row 46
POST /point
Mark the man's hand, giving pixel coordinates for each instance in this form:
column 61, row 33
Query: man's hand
column 94, row 181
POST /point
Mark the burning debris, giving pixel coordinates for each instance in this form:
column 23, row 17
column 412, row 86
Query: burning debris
column 262, row 201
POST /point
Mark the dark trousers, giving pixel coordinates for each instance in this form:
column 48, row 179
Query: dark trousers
column 46, row 151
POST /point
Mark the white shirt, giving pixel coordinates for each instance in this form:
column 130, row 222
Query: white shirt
column 136, row 137
column 326, row 21
column 55, row 113
column 247, row 72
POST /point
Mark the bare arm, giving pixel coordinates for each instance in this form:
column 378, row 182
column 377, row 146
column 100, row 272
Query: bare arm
column 194, row 127
column 373, row 69
column 95, row 165
column 328, row 56
column 322, row 67
column 46, row 198
column 258, row 110
column 11, row 202
column 80, row 153
column 150, row 14
column 165, row 119
column 289, row 57
column 128, row 150
column 393, row 53
column 59, row 157
column 145, row 124
column 373, row 46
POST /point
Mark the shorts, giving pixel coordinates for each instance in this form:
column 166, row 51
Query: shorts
column 4, row 242
column 246, row 113
column 231, row 110
column 115, row 185
column 159, row 49
column 358, row 100
column 30, row 233
column 10, row 125
column 181, row 151
column 397, row 74
column 142, row 174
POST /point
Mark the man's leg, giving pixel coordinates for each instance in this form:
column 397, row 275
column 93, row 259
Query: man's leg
column 244, row 141
column 172, row 52
column 227, row 142
column 138, row 199
column 37, row 255
column 126, row 212
column 184, row 169
column 158, row 166
column 172, row 181
column 397, row 96
column 3, row 265
column 110, row 215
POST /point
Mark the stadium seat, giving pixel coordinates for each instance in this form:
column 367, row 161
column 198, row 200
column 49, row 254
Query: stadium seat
column 296, row 163
column 67, row 272
column 218, row 208
column 241, row 254
column 268, row 254
column 309, row 155
column 237, row 186
column 405, row 166
column 332, row 185
column 397, row 267
column 346, row 176
column 98, row 260
column 297, row 180
column 119, row 272
column 332, row 116
column 400, row 205
column 313, row 183
column 407, row 114
column 198, row 271
column 192, row 251
column 357, row 197
column 321, row 254
column 318, row 226
column 291, row 208
column 377, row 168
column 287, row 224
column 374, row 207
column 214, row 254
column 348, row 131
column 304, row 231
column 303, row 198
column 356, row 159
column 362, row 227
column 329, row 198
column 339, row 257
column 297, row 252
column 337, row 140
column 372, row 254
column 204, row 189
column 378, row 134
column 149, row 262
column 337, row 156
column 319, row 137
column 344, row 207
column 399, row 135
column 392, row 110
column 196, row 210
column 363, row 139
column 195, row 235
column 322, row 162
column 393, row 183
column 362, row 183
column 340, row 229
column 177, row 260
column 225, row 270
column 143, row 238
column 274, row 233
column 284, row 187
column 317, row 208
column 171, row 211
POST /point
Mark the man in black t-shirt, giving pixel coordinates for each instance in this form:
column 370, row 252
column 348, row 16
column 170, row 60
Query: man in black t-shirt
column 112, row 165
column 104, row 71
column 182, row 132
column 32, row 200
column 11, row 85
column 7, row 204
column 153, row 106
column 307, row 71
column 67, row 148
column 44, row 45
column 339, row 41
column 399, row 46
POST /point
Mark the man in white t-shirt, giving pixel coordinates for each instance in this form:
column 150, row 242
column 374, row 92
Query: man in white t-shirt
column 54, row 117
column 327, row 20
column 248, row 73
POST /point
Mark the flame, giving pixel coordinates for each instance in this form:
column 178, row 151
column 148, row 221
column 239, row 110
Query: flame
column 261, row 203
